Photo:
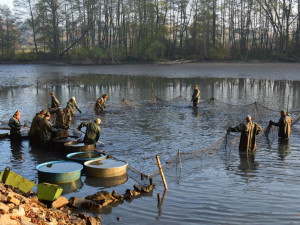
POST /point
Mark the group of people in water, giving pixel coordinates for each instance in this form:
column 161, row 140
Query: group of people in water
column 250, row 129
column 41, row 129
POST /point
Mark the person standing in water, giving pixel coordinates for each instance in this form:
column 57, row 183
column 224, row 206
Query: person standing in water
column 284, row 125
column 248, row 132
column 196, row 96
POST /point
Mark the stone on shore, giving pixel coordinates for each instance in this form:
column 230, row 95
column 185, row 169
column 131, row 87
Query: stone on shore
column 60, row 202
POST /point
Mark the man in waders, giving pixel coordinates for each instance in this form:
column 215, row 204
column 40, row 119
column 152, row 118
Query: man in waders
column 248, row 131
column 284, row 125
column 34, row 128
column 72, row 104
column 63, row 122
column 196, row 96
column 15, row 125
column 92, row 132
column 63, row 118
column 45, row 129
column 100, row 103
column 54, row 101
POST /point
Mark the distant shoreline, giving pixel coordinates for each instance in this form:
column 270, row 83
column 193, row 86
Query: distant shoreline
column 160, row 62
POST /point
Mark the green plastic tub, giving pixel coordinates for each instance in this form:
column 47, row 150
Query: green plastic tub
column 11, row 178
column 49, row 192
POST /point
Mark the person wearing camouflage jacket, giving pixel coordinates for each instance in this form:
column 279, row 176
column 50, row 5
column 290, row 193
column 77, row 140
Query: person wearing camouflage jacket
column 92, row 132
column 34, row 128
column 72, row 104
column 45, row 129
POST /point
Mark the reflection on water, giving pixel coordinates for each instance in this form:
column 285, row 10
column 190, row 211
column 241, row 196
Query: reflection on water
column 283, row 148
column 142, row 121
column 247, row 161
column 106, row 182
column 16, row 150
column 70, row 187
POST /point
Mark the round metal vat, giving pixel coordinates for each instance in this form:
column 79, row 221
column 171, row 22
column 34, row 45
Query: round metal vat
column 4, row 132
column 59, row 143
column 57, row 172
column 82, row 157
column 105, row 168
column 78, row 146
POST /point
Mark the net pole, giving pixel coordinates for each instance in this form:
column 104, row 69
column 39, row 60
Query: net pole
column 161, row 172
column 287, row 107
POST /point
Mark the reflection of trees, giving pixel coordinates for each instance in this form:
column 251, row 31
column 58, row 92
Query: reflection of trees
column 91, row 86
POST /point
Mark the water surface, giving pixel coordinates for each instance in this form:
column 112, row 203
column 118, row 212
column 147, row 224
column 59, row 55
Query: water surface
column 149, row 113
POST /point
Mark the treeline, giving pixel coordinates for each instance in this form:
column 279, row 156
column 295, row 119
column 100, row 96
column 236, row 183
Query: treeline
column 150, row 30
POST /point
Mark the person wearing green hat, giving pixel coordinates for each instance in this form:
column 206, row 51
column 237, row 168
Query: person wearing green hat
column 284, row 125
column 34, row 128
column 45, row 129
column 92, row 132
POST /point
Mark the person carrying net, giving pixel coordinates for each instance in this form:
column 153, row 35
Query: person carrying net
column 248, row 131
column 284, row 125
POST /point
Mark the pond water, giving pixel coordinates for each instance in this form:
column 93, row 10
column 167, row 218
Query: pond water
column 149, row 113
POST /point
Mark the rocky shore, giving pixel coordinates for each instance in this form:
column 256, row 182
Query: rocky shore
column 17, row 208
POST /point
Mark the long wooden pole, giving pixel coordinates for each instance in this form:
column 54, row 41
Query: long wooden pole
column 179, row 157
column 287, row 107
column 161, row 172
column 44, row 98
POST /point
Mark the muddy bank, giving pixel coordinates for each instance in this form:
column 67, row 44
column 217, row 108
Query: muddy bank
column 89, row 62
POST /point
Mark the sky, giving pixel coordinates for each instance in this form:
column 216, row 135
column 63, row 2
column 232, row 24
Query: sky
column 9, row 3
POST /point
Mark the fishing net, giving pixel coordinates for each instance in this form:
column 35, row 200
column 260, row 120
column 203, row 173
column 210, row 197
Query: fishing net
column 218, row 110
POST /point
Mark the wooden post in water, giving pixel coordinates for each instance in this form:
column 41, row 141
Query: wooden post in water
column 179, row 157
column 287, row 107
column 158, row 198
column 161, row 172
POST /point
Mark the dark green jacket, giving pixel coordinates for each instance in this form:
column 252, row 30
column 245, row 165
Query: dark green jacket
column 92, row 133
column 45, row 130
column 34, row 128
column 63, row 120
column 15, row 126
column 72, row 105
column 54, row 102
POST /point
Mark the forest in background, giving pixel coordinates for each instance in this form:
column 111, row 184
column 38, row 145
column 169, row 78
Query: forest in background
column 150, row 30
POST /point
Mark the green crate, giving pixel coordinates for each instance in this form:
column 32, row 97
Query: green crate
column 1, row 175
column 11, row 178
column 49, row 192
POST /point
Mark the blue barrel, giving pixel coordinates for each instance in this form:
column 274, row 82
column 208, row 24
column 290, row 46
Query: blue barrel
column 82, row 157
column 57, row 172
